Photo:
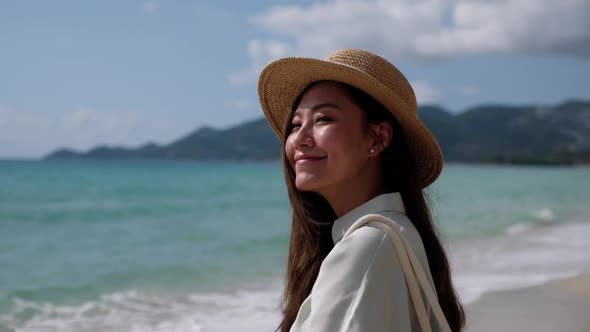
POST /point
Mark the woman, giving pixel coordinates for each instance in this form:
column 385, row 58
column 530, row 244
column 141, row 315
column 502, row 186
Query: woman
column 353, row 145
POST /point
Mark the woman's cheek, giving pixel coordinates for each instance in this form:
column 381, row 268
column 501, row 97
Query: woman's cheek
column 325, row 135
column 289, row 151
column 332, row 138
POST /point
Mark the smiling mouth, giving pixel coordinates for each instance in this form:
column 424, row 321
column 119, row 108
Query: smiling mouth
column 308, row 160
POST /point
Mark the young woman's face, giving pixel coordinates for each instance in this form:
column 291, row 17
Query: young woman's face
column 327, row 144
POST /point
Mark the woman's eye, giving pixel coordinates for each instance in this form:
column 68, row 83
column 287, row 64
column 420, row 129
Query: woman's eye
column 324, row 118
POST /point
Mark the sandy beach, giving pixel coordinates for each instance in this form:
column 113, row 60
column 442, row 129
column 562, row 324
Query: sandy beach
column 561, row 305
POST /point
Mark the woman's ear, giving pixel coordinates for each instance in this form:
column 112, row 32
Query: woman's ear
column 381, row 134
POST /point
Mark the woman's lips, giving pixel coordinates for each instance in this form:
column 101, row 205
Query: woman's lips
column 308, row 160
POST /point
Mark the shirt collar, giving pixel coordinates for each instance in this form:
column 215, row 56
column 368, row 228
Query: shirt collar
column 384, row 202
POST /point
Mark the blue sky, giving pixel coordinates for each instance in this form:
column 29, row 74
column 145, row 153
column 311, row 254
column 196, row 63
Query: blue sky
column 78, row 74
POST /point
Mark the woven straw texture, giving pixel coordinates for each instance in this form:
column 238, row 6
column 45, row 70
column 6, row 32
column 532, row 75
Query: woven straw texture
column 282, row 81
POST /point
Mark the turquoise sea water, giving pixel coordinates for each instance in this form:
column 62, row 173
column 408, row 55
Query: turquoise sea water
column 201, row 246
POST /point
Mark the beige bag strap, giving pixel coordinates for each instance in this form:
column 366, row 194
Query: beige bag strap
column 415, row 276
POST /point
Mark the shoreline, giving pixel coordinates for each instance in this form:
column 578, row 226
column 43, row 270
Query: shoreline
column 525, row 256
column 558, row 305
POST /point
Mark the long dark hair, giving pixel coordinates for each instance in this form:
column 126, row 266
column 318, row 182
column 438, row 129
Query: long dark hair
column 311, row 239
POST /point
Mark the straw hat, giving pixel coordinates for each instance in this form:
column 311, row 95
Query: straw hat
column 282, row 81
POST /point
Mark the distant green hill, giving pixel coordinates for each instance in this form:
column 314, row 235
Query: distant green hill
column 489, row 133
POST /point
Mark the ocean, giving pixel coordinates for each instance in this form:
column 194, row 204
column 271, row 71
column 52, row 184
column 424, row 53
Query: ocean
column 201, row 246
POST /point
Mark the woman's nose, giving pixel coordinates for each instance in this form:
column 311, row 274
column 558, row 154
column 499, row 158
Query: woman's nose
column 303, row 136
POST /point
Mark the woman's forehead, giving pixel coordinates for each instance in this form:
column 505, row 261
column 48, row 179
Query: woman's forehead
column 327, row 93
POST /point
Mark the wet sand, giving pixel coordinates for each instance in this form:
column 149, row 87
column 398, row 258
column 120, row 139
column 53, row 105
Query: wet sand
column 561, row 305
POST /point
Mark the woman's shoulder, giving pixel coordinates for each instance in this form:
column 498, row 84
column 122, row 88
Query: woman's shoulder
column 368, row 241
column 355, row 253
column 409, row 231
column 368, row 233
column 360, row 277
column 351, row 258
column 407, row 228
column 363, row 240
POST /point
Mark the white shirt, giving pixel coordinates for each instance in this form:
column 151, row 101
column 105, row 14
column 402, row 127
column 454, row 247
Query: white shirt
column 361, row 285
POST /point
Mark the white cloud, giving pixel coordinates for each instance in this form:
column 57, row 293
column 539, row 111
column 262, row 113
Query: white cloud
column 420, row 29
column 425, row 92
column 150, row 7
column 33, row 134
column 260, row 53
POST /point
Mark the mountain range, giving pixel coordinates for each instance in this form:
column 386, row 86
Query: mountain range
column 529, row 134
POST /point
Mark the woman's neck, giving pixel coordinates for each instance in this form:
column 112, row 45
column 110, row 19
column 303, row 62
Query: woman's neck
column 344, row 197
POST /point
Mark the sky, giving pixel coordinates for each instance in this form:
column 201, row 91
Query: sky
column 79, row 74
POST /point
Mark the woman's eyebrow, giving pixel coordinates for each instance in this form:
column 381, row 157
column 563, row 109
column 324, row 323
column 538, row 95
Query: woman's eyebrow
column 318, row 106
column 315, row 108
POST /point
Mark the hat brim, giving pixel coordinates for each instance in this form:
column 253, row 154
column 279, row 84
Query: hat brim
column 282, row 81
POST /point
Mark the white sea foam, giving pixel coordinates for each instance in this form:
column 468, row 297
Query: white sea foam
column 519, row 228
column 245, row 310
column 544, row 214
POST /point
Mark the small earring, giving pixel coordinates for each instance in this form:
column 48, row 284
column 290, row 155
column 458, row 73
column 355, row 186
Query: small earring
column 372, row 150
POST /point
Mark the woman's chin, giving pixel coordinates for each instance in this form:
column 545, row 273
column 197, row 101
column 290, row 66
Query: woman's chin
column 307, row 184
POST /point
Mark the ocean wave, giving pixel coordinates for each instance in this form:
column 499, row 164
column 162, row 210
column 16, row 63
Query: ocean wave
column 538, row 218
column 143, row 311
